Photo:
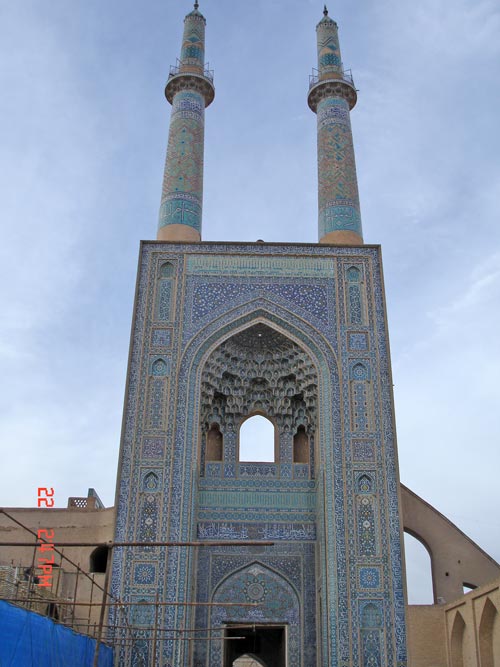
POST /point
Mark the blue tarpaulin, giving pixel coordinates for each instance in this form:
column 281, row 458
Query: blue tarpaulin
column 30, row 640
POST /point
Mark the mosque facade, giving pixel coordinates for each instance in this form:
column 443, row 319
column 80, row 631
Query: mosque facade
column 296, row 333
column 221, row 559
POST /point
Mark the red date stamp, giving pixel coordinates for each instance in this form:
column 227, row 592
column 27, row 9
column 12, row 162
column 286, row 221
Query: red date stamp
column 45, row 497
column 45, row 549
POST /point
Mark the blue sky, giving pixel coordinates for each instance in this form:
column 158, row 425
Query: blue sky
column 84, row 130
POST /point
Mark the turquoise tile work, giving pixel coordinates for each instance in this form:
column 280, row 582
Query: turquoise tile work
column 272, row 330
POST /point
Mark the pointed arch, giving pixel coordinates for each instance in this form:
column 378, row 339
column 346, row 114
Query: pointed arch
column 353, row 274
column 359, row 371
column 266, row 312
column 204, row 347
column 257, row 439
column 279, row 604
column 356, row 301
column 166, row 270
column 159, row 367
column 164, row 291
column 489, row 635
column 365, row 484
column 419, row 569
column 457, row 641
column 151, row 482
column 257, row 564
column 189, row 433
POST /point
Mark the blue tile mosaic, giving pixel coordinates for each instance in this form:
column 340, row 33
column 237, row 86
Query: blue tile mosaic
column 285, row 502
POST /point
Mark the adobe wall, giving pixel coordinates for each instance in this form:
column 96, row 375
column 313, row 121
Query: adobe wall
column 455, row 559
column 464, row 633
column 473, row 628
column 69, row 525
column 426, row 635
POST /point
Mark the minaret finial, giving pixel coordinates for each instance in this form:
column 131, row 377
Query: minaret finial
column 325, row 11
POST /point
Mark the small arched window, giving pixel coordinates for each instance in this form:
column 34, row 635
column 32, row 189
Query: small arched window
column 257, row 440
column 214, row 444
column 301, row 446
column 99, row 560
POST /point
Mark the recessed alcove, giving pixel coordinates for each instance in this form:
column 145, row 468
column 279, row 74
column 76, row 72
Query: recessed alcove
column 99, row 560
column 215, row 444
column 258, row 406
column 301, row 446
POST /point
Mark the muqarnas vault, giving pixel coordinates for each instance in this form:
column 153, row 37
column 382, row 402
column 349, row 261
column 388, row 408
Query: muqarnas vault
column 293, row 332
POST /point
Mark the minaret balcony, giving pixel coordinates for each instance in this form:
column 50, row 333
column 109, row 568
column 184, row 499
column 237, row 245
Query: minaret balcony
column 331, row 84
column 184, row 66
column 189, row 76
column 344, row 75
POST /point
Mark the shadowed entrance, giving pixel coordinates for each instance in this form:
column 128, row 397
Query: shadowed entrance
column 263, row 645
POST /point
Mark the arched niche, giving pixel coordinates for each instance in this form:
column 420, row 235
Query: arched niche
column 489, row 635
column 257, row 440
column 215, row 444
column 164, row 289
column 259, row 373
column 457, row 641
column 98, row 560
column 419, row 582
column 301, row 446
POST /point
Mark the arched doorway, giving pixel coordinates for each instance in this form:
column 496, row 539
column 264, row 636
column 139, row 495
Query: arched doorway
column 273, row 637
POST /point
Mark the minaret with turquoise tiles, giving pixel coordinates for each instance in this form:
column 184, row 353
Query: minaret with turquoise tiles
column 293, row 333
column 189, row 90
column 331, row 96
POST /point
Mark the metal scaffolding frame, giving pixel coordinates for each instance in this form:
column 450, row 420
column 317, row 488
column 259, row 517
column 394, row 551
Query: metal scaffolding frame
column 27, row 593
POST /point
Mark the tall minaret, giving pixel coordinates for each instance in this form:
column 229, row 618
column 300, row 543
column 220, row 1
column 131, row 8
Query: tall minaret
column 331, row 96
column 189, row 90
